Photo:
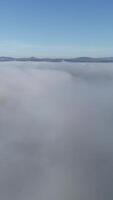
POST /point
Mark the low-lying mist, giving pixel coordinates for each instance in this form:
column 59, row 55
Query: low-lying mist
column 56, row 131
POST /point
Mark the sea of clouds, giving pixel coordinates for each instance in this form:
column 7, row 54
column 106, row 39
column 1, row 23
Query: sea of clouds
column 56, row 131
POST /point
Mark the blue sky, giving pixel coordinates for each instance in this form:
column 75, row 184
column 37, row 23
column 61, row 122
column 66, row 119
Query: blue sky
column 49, row 28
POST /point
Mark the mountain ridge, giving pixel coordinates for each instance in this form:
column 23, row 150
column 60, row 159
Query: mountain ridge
column 76, row 59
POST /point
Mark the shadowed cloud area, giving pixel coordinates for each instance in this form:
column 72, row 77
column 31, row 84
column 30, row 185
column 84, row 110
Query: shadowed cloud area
column 56, row 131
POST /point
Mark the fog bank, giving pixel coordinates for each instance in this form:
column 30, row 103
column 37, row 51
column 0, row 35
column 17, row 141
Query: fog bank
column 56, row 131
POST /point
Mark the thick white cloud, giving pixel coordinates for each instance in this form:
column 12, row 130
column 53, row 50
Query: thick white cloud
column 56, row 131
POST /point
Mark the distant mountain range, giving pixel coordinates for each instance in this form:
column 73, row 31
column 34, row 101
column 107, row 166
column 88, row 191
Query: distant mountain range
column 79, row 59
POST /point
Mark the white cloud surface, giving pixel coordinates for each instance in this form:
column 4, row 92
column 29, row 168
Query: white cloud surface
column 56, row 131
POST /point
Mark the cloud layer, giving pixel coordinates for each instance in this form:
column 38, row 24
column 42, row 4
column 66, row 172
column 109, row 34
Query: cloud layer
column 56, row 131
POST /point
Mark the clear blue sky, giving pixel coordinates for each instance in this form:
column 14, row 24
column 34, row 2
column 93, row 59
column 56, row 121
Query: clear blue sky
column 56, row 28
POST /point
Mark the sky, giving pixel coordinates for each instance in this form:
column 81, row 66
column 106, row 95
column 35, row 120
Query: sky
column 50, row 28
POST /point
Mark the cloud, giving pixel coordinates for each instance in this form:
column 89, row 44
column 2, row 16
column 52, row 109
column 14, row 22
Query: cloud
column 56, row 131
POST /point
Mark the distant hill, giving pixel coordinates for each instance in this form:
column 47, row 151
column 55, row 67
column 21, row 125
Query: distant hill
column 79, row 59
column 2, row 59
